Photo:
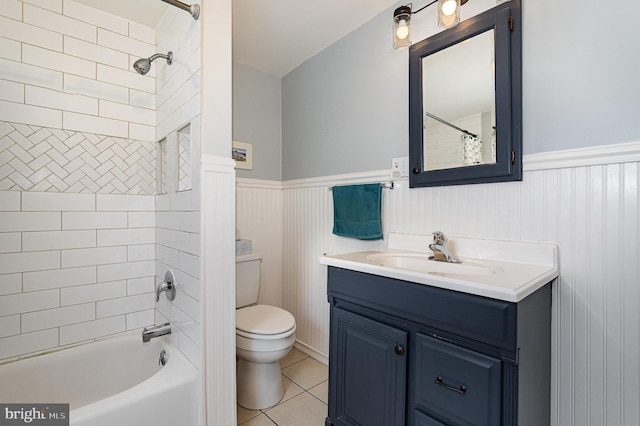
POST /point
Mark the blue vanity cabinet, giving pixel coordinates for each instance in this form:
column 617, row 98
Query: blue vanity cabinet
column 371, row 391
column 411, row 354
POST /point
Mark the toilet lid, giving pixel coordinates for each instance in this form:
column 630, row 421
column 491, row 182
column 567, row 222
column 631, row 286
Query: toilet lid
column 264, row 319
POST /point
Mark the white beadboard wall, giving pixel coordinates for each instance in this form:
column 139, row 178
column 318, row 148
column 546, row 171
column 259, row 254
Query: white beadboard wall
column 586, row 201
column 73, row 267
column 218, row 275
column 178, row 212
column 259, row 219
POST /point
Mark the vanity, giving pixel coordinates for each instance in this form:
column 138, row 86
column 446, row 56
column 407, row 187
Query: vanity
column 415, row 341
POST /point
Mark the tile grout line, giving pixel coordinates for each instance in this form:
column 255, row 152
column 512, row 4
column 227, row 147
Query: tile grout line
column 303, row 391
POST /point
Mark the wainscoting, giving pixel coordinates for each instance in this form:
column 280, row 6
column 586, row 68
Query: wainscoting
column 586, row 201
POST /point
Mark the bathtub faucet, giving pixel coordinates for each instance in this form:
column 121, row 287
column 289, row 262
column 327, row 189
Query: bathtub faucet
column 155, row 331
column 168, row 286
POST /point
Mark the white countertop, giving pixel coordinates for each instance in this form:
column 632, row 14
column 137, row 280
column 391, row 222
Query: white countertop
column 512, row 270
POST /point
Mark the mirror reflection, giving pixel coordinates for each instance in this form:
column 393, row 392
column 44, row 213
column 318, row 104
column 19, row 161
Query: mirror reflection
column 459, row 104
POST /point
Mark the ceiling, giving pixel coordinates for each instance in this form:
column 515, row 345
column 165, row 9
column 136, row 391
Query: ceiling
column 273, row 36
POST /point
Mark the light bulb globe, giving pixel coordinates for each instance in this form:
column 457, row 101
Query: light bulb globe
column 449, row 7
column 403, row 30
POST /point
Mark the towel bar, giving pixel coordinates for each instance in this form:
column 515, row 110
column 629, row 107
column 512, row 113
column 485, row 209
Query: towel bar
column 384, row 185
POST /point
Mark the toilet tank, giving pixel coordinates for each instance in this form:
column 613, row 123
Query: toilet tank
column 247, row 279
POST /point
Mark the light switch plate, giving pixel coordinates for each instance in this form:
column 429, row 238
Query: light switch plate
column 400, row 167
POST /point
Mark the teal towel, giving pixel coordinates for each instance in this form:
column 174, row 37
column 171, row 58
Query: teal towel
column 357, row 211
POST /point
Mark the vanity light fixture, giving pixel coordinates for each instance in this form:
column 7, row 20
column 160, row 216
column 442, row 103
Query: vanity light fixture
column 448, row 16
column 449, row 13
column 402, row 27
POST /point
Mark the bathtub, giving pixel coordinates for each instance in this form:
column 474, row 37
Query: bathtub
column 113, row 381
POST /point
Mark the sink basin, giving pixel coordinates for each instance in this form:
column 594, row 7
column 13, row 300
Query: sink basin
column 422, row 263
column 503, row 270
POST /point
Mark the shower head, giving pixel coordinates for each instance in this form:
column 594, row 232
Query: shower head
column 144, row 65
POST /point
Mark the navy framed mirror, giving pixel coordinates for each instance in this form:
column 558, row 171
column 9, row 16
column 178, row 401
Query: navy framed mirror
column 465, row 102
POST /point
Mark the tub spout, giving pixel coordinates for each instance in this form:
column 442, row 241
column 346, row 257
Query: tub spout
column 155, row 331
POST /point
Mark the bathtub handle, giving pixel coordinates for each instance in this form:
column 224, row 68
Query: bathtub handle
column 167, row 286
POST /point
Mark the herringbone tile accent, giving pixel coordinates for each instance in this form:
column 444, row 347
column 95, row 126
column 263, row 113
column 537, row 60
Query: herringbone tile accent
column 52, row 160
column 184, row 165
column 162, row 167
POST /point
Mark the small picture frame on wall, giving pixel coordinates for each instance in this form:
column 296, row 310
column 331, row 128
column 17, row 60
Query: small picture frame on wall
column 242, row 153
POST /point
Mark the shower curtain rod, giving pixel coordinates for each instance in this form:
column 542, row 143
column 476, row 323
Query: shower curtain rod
column 450, row 125
column 193, row 9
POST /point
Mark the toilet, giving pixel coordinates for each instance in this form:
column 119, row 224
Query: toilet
column 264, row 335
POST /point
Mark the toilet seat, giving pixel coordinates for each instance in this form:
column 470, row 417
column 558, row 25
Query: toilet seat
column 264, row 322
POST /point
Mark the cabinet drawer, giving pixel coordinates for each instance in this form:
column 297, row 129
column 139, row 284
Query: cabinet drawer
column 456, row 383
column 482, row 319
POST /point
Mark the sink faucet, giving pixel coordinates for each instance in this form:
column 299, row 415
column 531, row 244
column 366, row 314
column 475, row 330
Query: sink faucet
column 440, row 250
column 152, row 331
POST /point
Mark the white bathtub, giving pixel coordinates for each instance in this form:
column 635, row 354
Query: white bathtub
column 114, row 381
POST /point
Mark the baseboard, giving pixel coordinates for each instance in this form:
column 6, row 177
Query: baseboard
column 313, row 353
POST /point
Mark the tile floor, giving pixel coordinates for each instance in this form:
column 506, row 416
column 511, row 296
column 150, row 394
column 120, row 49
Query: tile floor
column 305, row 395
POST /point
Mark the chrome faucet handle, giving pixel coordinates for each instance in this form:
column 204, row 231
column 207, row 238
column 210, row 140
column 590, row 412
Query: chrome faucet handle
column 167, row 286
column 439, row 238
column 440, row 250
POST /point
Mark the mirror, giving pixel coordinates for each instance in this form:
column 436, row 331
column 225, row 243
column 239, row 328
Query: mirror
column 458, row 97
column 465, row 102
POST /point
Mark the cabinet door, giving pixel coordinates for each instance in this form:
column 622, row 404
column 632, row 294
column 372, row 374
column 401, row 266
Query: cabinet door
column 458, row 385
column 424, row 420
column 367, row 371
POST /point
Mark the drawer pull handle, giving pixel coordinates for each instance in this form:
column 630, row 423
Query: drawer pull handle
column 461, row 390
column 399, row 350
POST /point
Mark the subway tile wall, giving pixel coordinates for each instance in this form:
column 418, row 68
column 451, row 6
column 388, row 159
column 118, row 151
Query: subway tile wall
column 67, row 66
column 73, row 267
column 178, row 211
column 178, row 85
column 445, row 143
column 78, row 239
column 77, row 176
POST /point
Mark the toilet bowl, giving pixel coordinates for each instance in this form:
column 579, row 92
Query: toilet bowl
column 264, row 335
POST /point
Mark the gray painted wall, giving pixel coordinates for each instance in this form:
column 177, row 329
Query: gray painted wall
column 581, row 74
column 346, row 109
column 257, row 120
